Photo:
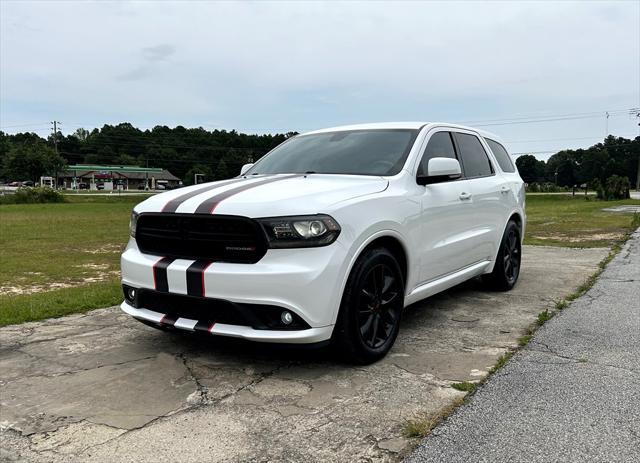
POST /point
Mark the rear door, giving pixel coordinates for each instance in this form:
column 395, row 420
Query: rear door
column 486, row 219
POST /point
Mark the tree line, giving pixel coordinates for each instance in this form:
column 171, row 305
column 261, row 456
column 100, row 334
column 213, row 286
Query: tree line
column 220, row 154
column 593, row 166
column 216, row 154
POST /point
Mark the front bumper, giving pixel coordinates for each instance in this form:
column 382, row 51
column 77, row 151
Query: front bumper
column 307, row 282
column 308, row 336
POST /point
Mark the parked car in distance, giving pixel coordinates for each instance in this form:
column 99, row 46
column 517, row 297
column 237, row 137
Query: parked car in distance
column 329, row 236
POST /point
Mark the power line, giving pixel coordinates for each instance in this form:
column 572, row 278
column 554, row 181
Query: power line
column 23, row 125
column 546, row 116
column 565, row 139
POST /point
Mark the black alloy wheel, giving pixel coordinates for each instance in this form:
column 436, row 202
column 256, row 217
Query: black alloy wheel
column 508, row 261
column 511, row 256
column 371, row 308
column 378, row 311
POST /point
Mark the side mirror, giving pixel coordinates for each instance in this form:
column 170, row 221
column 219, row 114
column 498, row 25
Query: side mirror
column 245, row 168
column 440, row 170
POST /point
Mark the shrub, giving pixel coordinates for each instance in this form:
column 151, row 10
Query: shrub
column 596, row 186
column 32, row 196
column 617, row 187
column 546, row 187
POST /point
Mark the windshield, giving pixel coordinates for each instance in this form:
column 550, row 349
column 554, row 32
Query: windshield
column 358, row 152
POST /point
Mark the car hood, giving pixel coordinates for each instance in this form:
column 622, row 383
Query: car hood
column 266, row 196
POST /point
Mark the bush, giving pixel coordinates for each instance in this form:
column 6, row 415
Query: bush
column 596, row 186
column 33, row 196
column 546, row 187
column 616, row 187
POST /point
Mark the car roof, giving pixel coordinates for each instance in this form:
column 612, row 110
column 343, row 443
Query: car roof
column 415, row 125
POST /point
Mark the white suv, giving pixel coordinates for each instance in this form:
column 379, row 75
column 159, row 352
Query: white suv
column 329, row 236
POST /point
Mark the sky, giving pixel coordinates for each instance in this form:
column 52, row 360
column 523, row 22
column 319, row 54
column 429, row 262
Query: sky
column 540, row 75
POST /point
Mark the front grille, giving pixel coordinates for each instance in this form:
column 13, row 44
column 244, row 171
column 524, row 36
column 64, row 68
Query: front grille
column 209, row 310
column 220, row 238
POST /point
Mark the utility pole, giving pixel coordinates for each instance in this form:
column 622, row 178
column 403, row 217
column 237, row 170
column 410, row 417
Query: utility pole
column 55, row 145
column 636, row 112
column 55, row 134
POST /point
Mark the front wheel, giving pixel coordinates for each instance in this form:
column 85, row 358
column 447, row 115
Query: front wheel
column 507, row 267
column 371, row 308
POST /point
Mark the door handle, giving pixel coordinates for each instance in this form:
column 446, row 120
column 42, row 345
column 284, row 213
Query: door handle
column 464, row 196
column 504, row 190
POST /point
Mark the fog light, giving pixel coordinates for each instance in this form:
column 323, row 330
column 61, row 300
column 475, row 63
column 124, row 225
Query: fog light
column 131, row 294
column 286, row 318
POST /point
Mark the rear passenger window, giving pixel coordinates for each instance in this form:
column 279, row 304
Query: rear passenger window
column 503, row 158
column 475, row 161
column 440, row 146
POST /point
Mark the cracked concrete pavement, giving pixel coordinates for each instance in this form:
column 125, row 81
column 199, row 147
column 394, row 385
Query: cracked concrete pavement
column 102, row 387
column 570, row 395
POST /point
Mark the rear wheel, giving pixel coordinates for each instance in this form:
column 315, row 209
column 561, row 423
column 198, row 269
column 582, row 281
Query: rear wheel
column 371, row 308
column 507, row 267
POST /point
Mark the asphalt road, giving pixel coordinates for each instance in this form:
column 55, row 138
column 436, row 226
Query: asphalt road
column 101, row 387
column 571, row 395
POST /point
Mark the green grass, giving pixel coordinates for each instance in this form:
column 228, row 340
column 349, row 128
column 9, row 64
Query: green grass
column 464, row 386
column 562, row 220
column 544, row 317
column 46, row 246
column 59, row 302
column 423, row 425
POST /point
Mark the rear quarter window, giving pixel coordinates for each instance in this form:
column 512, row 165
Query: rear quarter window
column 503, row 158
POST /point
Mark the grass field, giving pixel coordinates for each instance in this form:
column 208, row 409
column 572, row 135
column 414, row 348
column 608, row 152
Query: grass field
column 561, row 220
column 61, row 258
column 64, row 258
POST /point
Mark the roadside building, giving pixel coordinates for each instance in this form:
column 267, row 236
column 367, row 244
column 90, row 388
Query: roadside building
column 95, row 177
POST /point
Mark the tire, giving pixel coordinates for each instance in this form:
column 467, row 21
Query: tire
column 371, row 308
column 507, row 267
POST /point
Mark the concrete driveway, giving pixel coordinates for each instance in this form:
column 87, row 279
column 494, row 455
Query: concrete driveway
column 102, row 387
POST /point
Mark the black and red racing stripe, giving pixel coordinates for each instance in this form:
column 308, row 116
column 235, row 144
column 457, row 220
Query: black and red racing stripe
column 173, row 204
column 169, row 319
column 195, row 277
column 209, row 205
column 160, row 278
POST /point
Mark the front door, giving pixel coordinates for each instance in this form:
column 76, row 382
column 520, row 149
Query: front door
column 445, row 243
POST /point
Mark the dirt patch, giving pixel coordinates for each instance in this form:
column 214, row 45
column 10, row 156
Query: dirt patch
column 93, row 266
column 106, row 249
column 41, row 288
column 582, row 238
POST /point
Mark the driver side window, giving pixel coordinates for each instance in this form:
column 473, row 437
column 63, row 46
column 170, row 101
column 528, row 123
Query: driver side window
column 440, row 145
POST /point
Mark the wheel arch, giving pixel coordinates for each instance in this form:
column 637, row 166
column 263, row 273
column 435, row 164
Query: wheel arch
column 390, row 239
column 517, row 217
column 396, row 248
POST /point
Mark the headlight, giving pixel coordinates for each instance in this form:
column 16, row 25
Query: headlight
column 133, row 221
column 300, row 231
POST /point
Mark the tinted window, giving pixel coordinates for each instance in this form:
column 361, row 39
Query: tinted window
column 501, row 156
column 359, row 152
column 474, row 159
column 440, row 145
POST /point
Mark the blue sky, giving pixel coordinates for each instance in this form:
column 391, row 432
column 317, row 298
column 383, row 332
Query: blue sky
column 279, row 66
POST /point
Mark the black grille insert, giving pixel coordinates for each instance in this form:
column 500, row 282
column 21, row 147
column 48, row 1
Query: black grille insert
column 220, row 238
